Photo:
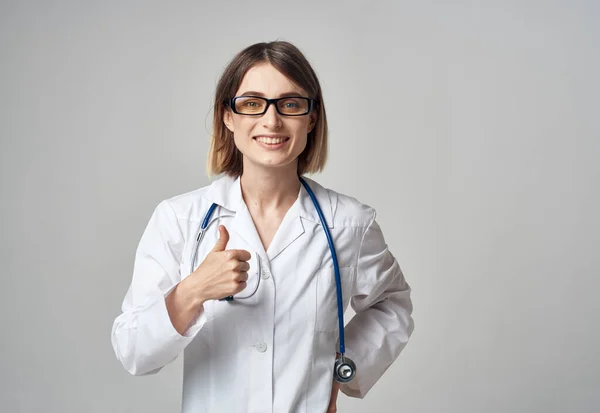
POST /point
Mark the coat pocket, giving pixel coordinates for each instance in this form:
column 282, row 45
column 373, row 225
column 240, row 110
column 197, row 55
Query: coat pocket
column 326, row 291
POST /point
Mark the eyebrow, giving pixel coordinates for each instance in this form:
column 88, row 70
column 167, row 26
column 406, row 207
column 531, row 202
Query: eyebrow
column 254, row 93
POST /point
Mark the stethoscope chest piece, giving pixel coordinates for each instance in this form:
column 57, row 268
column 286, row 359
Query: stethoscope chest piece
column 344, row 369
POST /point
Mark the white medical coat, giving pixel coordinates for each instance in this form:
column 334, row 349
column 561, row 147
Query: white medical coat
column 274, row 352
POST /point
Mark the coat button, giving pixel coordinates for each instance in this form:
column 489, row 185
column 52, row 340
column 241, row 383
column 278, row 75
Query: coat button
column 265, row 274
column 261, row 347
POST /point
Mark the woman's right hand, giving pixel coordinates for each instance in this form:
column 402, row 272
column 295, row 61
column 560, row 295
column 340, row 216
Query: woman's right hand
column 223, row 272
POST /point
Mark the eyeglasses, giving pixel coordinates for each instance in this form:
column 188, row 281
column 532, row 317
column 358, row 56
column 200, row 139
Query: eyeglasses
column 286, row 106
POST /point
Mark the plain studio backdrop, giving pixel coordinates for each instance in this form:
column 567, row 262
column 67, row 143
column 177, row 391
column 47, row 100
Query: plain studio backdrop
column 472, row 128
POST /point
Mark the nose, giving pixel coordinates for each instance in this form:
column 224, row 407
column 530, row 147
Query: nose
column 271, row 118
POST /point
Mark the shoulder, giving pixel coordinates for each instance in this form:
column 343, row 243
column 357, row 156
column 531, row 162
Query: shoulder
column 192, row 205
column 347, row 210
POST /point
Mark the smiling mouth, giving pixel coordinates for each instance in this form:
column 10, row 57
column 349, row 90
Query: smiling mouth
column 271, row 141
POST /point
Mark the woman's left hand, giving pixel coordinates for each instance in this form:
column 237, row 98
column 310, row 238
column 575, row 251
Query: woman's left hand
column 335, row 388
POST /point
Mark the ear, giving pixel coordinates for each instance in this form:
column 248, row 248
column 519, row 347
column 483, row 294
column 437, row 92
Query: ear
column 312, row 121
column 228, row 119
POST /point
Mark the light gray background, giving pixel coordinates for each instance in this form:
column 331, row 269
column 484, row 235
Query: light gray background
column 472, row 127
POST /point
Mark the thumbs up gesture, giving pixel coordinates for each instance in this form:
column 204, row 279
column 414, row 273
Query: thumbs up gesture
column 223, row 272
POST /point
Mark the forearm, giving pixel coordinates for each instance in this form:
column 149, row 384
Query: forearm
column 147, row 338
column 374, row 338
column 184, row 303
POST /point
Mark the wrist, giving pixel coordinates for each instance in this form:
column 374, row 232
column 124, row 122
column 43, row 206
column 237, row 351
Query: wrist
column 194, row 292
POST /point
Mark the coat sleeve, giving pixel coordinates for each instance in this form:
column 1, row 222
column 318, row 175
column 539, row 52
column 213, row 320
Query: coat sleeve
column 379, row 331
column 143, row 337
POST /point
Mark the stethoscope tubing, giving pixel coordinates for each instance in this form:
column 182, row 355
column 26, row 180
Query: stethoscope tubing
column 336, row 267
column 206, row 223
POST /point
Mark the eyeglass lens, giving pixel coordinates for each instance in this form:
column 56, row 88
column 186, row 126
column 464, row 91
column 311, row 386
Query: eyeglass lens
column 287, row 106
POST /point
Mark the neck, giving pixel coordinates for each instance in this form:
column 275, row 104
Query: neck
column 267, row 190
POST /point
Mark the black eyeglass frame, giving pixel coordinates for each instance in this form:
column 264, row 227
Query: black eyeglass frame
column 312, row 103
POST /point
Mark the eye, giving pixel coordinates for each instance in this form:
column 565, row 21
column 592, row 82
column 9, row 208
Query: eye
column 290, row 104
column 251, row 103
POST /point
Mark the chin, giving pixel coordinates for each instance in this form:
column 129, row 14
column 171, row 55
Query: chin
column 275, row 164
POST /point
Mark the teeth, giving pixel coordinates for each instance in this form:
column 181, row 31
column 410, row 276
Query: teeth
column 270, row 141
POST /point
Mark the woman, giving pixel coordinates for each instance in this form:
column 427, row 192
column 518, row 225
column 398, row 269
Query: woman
column 273, row 347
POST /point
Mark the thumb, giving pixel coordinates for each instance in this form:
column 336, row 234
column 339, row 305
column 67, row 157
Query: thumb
column 223, row 239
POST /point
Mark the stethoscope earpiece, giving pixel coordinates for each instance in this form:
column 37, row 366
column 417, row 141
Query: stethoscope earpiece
column 344, row 369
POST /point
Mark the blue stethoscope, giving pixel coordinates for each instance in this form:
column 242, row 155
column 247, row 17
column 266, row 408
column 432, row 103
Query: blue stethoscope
column 344, row 368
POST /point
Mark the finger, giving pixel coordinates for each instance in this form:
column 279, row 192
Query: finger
column 242, row 266
column 223, row 239
column 241, row 276
column 240, row 255
column 239, row 266
column 240, row 287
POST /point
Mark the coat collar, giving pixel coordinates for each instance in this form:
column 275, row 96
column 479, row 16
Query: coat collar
column 327, row 201
column 226, row 192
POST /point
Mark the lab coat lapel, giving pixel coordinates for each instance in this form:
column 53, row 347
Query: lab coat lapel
column 243, row 225
column 290, row 229
column 226, row 192
column 327, row 200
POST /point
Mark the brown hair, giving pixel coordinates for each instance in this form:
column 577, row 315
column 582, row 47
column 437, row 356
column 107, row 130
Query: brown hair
column 223, row 156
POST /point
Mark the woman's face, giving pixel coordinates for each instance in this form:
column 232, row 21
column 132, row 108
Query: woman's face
column 270, row 140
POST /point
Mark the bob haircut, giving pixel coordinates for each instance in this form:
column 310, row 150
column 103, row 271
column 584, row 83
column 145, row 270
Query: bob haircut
column 223, row 155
